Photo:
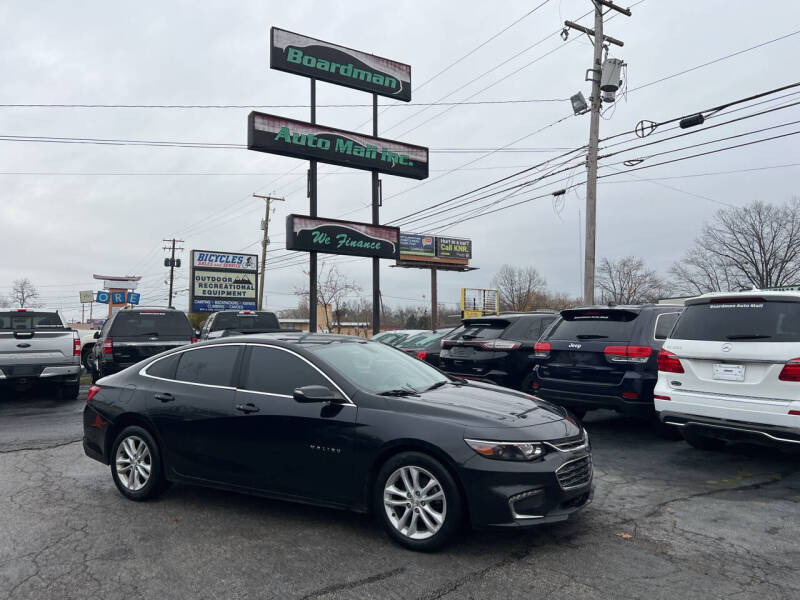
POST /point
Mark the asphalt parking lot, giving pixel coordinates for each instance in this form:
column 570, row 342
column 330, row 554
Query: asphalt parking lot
column 667, row 521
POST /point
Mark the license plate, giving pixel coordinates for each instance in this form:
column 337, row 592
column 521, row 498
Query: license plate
column 461, row 351
column 725, row 372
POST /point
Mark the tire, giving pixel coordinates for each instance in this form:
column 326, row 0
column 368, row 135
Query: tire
column 127, row 446
column 435, row 520
column 70, row 391
column 702, row 442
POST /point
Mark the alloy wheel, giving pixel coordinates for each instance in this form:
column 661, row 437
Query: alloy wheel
column 133, row 463
column 415, row 502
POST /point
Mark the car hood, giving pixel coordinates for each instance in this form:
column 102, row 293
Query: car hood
column 481, row 406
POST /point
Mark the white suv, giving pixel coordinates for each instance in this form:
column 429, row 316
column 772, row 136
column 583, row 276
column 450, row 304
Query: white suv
column 730, row 370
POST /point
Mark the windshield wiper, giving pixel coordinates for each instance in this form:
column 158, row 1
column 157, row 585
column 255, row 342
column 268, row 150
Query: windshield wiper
column 399, row 392
column 438, row 384
column 747, row 336
column 590, row 336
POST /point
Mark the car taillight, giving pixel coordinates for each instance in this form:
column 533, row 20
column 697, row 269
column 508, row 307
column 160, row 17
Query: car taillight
column 627, row 354
column 422, row 354
column 194, row 340
column 668, row 362
column 500, row 345
column 448, row 343
column 541, row 350
column 76, row 344
column 108, row 346
column 92, row 392
column 790, row 371
column 22, row 310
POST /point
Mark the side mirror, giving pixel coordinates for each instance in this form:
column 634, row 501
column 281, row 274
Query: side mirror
column 96, row 335
column 316, row 393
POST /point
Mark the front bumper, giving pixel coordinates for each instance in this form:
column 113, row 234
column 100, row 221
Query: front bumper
column 517, row 494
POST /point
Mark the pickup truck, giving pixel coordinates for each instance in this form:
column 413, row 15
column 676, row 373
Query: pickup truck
column 37, row 345
column 226, row 323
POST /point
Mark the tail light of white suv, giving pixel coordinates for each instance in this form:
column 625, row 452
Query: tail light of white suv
column 790, row 371
column 668, row 362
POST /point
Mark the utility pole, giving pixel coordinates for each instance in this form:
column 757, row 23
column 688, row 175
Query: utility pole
column 264, row 241
column 594, row 135
column 170, row 262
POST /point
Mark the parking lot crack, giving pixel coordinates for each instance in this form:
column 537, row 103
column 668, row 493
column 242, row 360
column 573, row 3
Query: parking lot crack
column 47, row 447
column 338, row 587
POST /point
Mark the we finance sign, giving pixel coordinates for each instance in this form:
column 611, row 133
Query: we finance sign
column 308, row 141
column 303, row 55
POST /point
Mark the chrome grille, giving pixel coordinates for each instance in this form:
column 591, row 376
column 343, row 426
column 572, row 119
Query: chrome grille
column 575, row 473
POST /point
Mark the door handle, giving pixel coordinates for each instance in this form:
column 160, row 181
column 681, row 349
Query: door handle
column 164, row 397
column 247, row 408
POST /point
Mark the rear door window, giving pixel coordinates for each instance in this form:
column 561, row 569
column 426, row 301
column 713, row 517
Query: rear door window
column 208, row 366
column 605, row 325
column 740, row 320
column 156, row 323
column 664, row 324
column 165, row 367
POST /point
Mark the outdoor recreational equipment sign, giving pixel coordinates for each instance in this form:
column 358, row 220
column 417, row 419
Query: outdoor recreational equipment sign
column 223, row 281
column 302, row 55
column 300, row 139
column 332, row 236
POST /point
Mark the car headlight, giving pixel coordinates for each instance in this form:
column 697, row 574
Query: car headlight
column 506, row 450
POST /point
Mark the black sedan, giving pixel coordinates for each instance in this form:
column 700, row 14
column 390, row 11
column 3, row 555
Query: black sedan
column 343, row 422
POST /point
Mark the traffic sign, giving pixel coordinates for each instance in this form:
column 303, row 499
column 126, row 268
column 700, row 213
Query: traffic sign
column 103, row 297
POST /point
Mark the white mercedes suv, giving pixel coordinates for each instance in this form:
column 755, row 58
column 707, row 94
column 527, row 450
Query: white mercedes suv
column 730, row 370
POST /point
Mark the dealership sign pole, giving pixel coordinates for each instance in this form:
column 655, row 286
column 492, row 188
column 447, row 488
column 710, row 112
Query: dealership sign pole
column 302, row 55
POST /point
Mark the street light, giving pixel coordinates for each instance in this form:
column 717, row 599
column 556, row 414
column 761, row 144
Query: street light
column 579, row 105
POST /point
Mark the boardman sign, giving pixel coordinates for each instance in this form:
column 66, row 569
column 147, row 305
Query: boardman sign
column 333, row 236
column 302, row 55
column 299, row 139
column 223, row 281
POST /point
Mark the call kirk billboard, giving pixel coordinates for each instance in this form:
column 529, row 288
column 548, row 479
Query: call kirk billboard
column 310, row 57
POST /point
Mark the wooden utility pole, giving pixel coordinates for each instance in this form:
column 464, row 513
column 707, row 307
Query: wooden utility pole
column 172, row 265
column 594, row 135
column 434, row 301
column 264, row 241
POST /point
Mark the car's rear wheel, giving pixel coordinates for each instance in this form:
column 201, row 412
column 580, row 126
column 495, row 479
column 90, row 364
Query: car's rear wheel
column 70, row 391
column 136, row 464
column 702, row 442
column 417, row 501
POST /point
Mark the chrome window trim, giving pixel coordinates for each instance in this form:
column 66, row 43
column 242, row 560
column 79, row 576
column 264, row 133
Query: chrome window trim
column 655, row 325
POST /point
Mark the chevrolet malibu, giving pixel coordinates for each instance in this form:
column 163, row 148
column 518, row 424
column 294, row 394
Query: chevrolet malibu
column 343, row 422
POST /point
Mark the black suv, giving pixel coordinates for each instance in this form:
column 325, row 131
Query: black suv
column 236, row 322
column 134, row 334
column 494, row 349
column 603, row 357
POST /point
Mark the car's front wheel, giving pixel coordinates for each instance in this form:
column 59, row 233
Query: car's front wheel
column 136, row 464
column 417, row 501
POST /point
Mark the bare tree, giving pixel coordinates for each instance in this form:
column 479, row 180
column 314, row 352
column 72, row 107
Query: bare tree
column 627, row 281
column 754, row 245
column 519, row 287
column 333, row 288
column 24, row 293
column 4, row 302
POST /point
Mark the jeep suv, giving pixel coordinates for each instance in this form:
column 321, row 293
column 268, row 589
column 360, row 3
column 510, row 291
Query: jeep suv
column 131, row 335
column 498, row 349
column 602, row 357
column 730, row 370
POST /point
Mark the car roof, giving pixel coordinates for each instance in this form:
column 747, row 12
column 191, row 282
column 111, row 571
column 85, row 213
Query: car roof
column 291, row 338
column 788, row 295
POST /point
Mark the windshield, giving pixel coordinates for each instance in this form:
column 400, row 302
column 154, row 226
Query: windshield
column 377, row 368
column 488, row 330
column 156, row 323
column 244, row 322
column 748, row 320
column 26, row 320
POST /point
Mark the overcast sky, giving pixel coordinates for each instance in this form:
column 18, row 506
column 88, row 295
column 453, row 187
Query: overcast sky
column 71, row 210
